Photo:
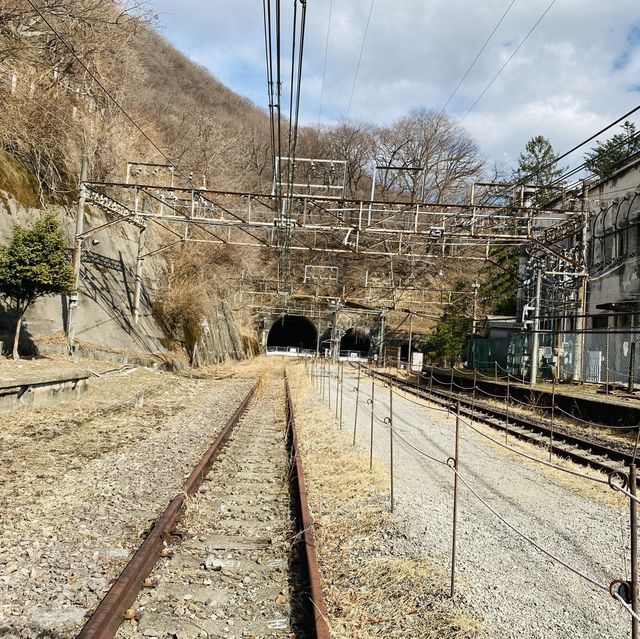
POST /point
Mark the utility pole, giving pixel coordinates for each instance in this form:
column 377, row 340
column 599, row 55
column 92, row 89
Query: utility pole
column 336, row 336
column 582, row 289
column 533, row 376
column 77, row 257
column 138, row 281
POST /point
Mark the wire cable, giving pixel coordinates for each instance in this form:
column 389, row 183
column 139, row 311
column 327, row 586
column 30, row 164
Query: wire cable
column 484, row 46
column 536, row 545
column 355, row 78
column 504, row 66
column 324, row 64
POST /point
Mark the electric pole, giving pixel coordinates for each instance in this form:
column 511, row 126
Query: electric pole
column 77, row 258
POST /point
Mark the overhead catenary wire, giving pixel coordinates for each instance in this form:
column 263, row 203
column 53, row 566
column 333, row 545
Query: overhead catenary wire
column 504, row 66
column 355, row 77
column 324, row 64
column 484, row 46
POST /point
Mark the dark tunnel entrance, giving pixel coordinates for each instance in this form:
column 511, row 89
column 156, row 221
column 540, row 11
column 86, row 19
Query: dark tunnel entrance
column 354, row 340
column 293, row 331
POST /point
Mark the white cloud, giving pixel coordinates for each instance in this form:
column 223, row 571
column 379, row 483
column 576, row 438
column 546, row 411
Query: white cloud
column 579, row 70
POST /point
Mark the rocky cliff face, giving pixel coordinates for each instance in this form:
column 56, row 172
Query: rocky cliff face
column 105, row 320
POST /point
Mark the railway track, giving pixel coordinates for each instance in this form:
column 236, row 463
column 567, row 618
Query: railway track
column 233, row 554
column 575, row 447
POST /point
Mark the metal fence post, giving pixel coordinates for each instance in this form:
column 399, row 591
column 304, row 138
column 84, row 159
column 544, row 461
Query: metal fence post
column 553, row 414
column 495, row 370
column 373, row 394
column 456, row 466
column 391, row 444
column 473, row 400
column 633, row 509
column 337, row 389
column 632, row 366
column 430, row 381
column 322, row 376
column 606, row 364
column 329, row 383
column 355, row 420
column 451, row 381
column 506, row 430
column 341, row 392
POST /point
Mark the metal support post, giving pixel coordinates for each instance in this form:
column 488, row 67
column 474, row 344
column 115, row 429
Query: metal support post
column 77, row 258
column 633, row 509
column 632, row 366
column 337, row 388
column 495, row 370
column 329, row 383
column 473, row 399
column 355, row 419
column 341, row 392
column 506, row 430
column 430, row 382
column 410, row 339
column 553, row 414
column 373, row 395
column 138, row 281
column 451, row 381
column 455, row 464
column 390, row 420
column 606, row 363
column 533, row 370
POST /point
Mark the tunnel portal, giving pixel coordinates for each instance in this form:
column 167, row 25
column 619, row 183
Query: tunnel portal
column 293, row 331
column 354, row 340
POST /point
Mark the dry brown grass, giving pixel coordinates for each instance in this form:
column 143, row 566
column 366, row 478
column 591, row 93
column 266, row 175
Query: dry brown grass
column 373, row 586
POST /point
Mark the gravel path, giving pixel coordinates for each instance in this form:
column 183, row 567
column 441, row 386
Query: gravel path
column 79, row 482
column 518, row 590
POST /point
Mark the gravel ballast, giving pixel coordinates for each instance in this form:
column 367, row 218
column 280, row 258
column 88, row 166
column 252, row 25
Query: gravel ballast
column 81, row 482
column 517, row 590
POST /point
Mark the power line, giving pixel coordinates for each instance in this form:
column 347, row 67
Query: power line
column 364, row 40
column 504, row 66
column 484, row 46
column 324, row 65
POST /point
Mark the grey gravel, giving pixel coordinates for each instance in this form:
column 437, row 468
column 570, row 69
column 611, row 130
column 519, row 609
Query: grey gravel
column 515, row 588
column 65, row 535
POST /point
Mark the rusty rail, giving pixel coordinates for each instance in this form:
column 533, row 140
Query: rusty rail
column 106, row 618
column 321, row 628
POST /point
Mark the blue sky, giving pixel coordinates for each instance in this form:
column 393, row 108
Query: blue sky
column 579, row 70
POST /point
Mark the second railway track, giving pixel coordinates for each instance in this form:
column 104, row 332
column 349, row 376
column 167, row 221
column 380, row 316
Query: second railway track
column 578, row 448
column 233, row 558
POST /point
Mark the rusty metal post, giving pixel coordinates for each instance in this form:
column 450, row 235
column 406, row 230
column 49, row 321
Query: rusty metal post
column 456, row 467
column 341, row 392
column 373, row 395
column 355, row 419
column 553, row 414
column 337, row 389
column 495, row 369
column 451, row 381
column 391, row 445
column 473, row 400
column 633, row 509
column 506, row 430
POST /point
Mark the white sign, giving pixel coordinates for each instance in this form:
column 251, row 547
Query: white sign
column 416, row 362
